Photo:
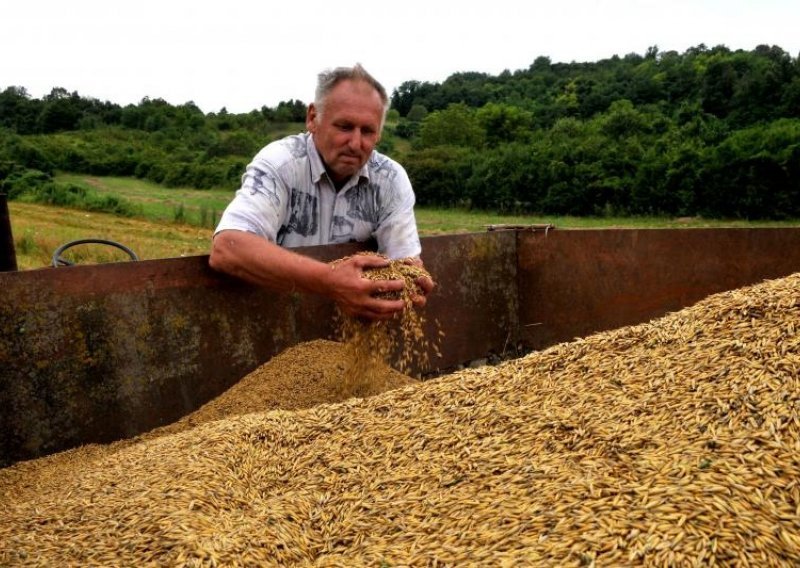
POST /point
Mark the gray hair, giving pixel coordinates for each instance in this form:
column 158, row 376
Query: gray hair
column 329, row 78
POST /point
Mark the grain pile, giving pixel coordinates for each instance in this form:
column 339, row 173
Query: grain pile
column 401, row 342
column 300, row 377
column 673, row 443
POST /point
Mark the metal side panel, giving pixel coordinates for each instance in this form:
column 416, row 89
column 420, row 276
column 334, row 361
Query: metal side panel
column 577, row 282
column 98, row 353
column 103, row 352
column 476, row 302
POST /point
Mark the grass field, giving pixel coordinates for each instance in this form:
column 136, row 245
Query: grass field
column 162, row 231
column 40, row 229
column 442, row 221
column 159, row 203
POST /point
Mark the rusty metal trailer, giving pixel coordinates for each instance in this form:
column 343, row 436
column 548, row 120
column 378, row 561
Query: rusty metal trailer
column 104, row 352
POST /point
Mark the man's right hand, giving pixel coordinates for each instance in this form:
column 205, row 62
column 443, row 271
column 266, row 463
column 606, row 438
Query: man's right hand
column 355, row 294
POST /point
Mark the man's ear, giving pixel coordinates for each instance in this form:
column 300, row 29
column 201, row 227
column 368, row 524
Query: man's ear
column 311, row 118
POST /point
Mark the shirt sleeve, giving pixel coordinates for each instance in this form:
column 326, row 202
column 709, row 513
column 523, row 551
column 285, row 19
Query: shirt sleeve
column 256, row 207
column 396, row 232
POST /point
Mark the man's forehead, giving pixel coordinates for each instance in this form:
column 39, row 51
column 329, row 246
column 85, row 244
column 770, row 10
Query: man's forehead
column 355, row 89
column 357, row 85
column 354, row 100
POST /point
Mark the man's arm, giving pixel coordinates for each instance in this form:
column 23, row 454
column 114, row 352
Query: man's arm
column 259, row 261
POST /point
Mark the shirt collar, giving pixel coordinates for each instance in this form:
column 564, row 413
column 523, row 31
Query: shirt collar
column 318, row 168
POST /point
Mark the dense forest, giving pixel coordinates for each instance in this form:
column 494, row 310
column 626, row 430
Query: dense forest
column 710, row 132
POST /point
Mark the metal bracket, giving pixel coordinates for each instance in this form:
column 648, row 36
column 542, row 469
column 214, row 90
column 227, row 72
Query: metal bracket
column 512, row 227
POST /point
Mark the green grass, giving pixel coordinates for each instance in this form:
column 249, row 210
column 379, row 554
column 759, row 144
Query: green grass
column 203, row 208
column 158, row 203
column 171, row 224
column 432, row 221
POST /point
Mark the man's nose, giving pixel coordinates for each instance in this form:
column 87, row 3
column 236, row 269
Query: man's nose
column 355, row 139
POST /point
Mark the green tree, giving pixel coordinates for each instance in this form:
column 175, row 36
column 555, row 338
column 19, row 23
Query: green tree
column 417, row 113
column 409, row 93
column 623, row 119
column 17, row 111
column 457, row 125
column 504, row 123
column 290, row 111
column 439, row 174
column 61, row 111
column 507, row 179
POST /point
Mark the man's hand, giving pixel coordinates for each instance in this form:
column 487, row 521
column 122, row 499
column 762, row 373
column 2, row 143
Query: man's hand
column 355, row 294
column 425, row 284
column 258, row 261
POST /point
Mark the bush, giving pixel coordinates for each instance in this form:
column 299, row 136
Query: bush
column 439, row 175
column 20, row 181
column 507, row 179
column 33, row 186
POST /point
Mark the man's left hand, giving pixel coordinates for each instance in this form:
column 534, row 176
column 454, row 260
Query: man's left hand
column 424, row 285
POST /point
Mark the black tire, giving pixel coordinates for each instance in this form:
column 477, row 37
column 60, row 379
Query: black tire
column 58, row 261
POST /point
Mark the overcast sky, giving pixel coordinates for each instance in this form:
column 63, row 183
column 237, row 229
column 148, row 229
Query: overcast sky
column 245, row 54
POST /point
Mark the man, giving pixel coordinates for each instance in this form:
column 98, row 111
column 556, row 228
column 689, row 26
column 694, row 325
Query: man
column 328, row 185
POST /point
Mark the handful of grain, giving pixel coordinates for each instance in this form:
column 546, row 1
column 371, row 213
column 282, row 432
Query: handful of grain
column 372, row 345
column 397, row 269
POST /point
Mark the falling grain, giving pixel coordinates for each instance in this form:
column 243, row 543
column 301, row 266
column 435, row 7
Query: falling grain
column 400, row 342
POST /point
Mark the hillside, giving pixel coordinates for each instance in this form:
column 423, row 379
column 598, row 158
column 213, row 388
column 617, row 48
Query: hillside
column 710, row 132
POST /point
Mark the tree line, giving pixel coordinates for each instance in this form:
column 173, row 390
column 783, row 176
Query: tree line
column 711, row 132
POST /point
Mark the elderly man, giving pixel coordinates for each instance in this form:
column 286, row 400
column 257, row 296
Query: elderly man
column 327, row 185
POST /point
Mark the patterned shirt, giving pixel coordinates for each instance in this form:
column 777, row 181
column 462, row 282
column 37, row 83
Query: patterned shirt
column 287, row 197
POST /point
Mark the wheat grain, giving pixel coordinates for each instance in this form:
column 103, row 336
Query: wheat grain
column 655, row 444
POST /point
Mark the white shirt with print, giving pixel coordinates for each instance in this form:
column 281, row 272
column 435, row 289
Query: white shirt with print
column 287, row 198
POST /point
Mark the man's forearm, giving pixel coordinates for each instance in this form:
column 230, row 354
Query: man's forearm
column 258, row 261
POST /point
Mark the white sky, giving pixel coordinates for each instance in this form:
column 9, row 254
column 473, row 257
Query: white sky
column 243, row 54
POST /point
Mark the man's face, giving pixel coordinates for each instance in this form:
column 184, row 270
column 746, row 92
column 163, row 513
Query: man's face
column 348, row 129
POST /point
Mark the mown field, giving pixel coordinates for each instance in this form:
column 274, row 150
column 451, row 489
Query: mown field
column 179, row 222
column 40, row 229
